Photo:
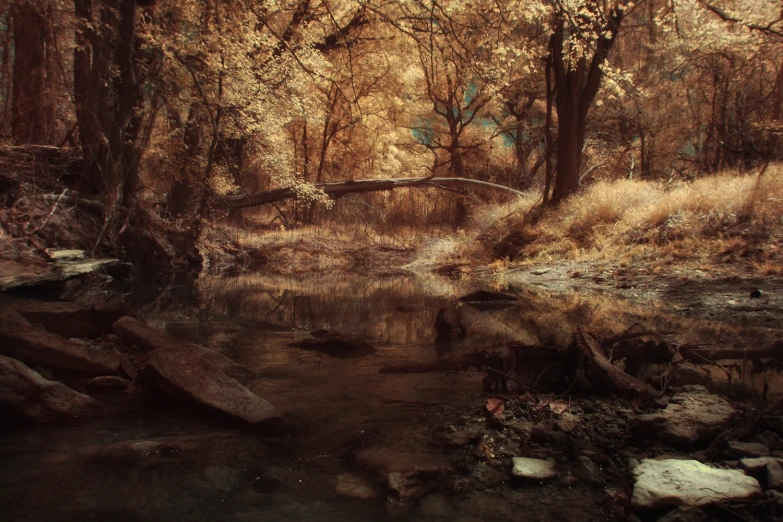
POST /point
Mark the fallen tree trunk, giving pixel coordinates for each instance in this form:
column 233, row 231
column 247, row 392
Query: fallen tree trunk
column 605, row 371
column 363, row 185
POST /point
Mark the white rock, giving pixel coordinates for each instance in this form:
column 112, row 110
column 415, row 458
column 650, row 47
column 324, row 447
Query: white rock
column 689, row 417
column 534, row 469
column 674, row 482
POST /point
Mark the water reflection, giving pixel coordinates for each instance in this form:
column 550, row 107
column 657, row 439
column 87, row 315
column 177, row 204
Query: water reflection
column 334, row 404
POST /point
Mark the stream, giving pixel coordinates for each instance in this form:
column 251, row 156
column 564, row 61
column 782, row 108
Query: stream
column 165, row 462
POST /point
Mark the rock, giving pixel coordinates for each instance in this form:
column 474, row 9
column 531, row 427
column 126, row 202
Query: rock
column 461, row 438
column 59, row 271
column 533, row 469
column 588, row 470
column 65, row 255
column 540, row 271
column 128, row 367
column 689, row 374
column 135, row 331
column 32, row 345
column 740, row 450
column 486, row 295
column 756, row 465
column 689, row 417
column 335, row 344
column 389, row 460
column 24, row 392
column 350, row 485
column 774, row 475
column 70, row 319
column 108, row 382
column 568, row 481
column 671, row 482
column 188, row 372
column 685, row 514
column 408, row 486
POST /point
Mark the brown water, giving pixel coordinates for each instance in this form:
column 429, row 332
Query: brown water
column 209, row 471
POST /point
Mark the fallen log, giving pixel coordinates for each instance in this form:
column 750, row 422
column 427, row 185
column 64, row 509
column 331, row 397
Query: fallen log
column 606, row 371
column 363, row 185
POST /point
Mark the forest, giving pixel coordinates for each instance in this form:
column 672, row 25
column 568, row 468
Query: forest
column 391, row 259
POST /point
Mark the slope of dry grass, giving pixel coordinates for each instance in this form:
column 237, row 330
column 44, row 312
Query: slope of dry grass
column 729, row 218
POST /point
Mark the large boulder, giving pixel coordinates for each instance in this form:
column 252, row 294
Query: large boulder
column 34, row 345
column 188, row 373
column 25, row 393
column 672, row 482
column 134, row 331
column 70, row 319
column 689, row 417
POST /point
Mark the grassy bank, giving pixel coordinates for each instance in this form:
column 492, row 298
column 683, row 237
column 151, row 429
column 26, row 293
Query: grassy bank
column 719, row 220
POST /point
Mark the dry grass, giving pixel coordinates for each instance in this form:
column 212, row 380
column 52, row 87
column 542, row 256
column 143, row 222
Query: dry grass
column 718, row 219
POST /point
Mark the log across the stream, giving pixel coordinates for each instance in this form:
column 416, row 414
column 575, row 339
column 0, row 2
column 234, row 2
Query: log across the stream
column 363, row 185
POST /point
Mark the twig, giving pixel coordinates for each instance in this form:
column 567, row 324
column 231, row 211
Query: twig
column 54, row 207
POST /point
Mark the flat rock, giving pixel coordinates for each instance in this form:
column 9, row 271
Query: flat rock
column 738, row 450
column 540, row 271
column 65, row 255
column 350, row 485
column 689, row 374
column 533, row 469
column 672, row 482
column 487, row 295
column 389, row 460
column 108, row 382
column 34, row 345
column 689, row 417
column 189, row 373
column 757, row 464
column 70, row 319
column 24, row 392
column 134, row 331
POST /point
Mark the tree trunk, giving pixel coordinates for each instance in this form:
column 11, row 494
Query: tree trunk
column 576, row 85
column 32, row 113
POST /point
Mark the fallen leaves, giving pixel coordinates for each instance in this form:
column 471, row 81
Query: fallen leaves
column 495, row 406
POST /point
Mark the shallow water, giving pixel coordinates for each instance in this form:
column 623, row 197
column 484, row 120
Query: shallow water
column 207, row 470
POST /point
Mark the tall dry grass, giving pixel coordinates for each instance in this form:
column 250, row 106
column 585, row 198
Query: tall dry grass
column 717, row 219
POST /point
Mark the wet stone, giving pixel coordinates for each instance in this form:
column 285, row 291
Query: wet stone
column 672, row 482
column 533, row 469
column 747, row 449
